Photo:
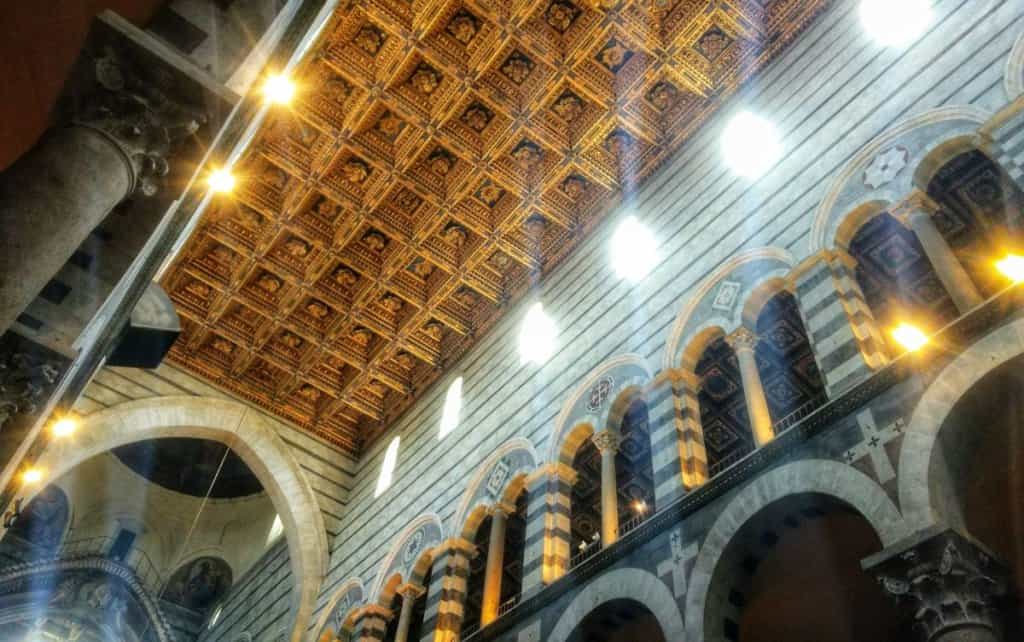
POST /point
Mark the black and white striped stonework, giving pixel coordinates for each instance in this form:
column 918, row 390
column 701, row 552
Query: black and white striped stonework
column 435, row 591
column 370, row 627
column 1005, row 144
column 547, row 526
column 677, row 443
column 843, row 333
column 451, row 568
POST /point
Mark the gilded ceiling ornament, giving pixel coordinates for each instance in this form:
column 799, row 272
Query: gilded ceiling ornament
column 477, row 117
column 568, row 107
column 297, row 247
column 425, row 79
column 618, row 142
column 517, row 67
column 325, row 208
column 561, row 14
column 574, row 187
column 392, row 303
column 390, row 125
column 463, row 27
column 355, row 170
column 422, row 268
column 405, row 360
column 317, row 310
column 269, row 283
column 248, row 217
column 309, row 393
column 713, row 43
column 527, row 154
column 337, row 90
column 375, row 241
column 274, row 176
column 466, row 297
column 499, row 260
column 361, row 336
column 886, row 167
column 291, row 340
column 434, row 330
column 198, row 288
column 455, row 234
column 223, row 346
column 221, row 254
column 247, row 315
column 369, row 39
column 614, row 55
column 535, row 226
column 489, row 193
column 377, row 388
column 662, row 95
column 408, row 200
column 344, row 276
column 441, row 162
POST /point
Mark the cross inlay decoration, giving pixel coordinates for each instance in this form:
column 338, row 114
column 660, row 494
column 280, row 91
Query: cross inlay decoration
column 440, row 155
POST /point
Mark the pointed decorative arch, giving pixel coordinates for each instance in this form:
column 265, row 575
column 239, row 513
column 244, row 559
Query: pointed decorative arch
column 494, row 478
column 422, row 535
column 243, row 429
column 704, row 310
column 591, row 402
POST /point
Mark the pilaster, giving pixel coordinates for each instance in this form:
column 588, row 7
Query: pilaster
column 548, row 527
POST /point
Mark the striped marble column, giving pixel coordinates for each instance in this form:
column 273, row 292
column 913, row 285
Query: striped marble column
column 1003, row 138
column 548, row 530
column 677, row 442
column 435, row 592
column 847, row 343
column 453, row 574
column 370, row 624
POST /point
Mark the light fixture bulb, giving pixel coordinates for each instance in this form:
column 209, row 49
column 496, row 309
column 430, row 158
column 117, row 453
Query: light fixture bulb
column 1012, row 267
column 32, row 476
column 65, row 427
column 751, row 145
column 911, row 337
column 895, row 23
column 279, row 89
column 634, row 250
column 537, row 336
column 221, row 180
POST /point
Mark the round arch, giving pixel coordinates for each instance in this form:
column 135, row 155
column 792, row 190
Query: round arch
column 244, row 430
column 341, row 605
column 522, row 459
column 920, row 508
column 1013, row 79
column 624, row 583
column 422, row 534
column 824, row 477
column 681, row 336
column 956, row 120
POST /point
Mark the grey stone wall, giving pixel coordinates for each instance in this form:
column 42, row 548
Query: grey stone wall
column 258, row 603
column 833, row 92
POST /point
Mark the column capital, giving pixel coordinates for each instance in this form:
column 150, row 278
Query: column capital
column 949, row 581
column 138, row 115
column 607, row 441
column 501, row 508
column 915, row 204
column 410, row 591
column 674, row 377
column 370, row 611
column 742, row 339
column 458, row 544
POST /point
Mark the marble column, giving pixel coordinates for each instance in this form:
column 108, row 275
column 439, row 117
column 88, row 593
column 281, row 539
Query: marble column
column 743, row 342
column 608, row 443
column 410, row 593
column 55, row 195
column 949, row 584
column 916, row 212
column 495, row 566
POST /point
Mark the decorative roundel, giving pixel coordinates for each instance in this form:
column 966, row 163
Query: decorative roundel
column 412, row 549
column 599, row 393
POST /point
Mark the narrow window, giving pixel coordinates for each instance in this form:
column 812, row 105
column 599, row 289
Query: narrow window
column 452, row 408
column 388, row 467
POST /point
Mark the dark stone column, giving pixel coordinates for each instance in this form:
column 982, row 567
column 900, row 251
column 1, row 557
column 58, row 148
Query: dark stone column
column 950, row 584
column 55, row 195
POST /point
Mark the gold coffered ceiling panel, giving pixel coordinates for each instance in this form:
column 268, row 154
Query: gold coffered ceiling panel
column 441, row 156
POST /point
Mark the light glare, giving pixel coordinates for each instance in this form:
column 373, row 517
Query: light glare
column 452, row 408
column 634, row 250
column 32, row 476
column 895, row 23
column 1012, row 267
column 910, row 337
column 537, row 336
column 222, row 181
column 279, row 89
column 65, row 427
column 751, row 145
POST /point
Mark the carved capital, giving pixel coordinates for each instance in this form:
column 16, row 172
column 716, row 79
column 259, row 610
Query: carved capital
column 410, row 591
column 916, row 204
column 139, row 116
column 948, row 582
column 607, row 441
column 742, row 339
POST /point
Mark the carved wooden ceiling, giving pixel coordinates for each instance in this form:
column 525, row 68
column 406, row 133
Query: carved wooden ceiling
column 441, row 156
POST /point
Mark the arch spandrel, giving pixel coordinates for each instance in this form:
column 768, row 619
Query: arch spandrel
column 490, row 484
column 421, row 536
column 337, row 616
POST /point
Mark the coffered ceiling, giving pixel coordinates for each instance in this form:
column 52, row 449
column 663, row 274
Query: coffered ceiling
column 442, row 155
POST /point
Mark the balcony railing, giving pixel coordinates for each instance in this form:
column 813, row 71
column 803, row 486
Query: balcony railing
column 798, row 415
column 585, row 552
column 509, row 604
column 136, row 560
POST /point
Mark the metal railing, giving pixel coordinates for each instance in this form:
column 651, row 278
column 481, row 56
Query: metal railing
column 509, row 604
column 632, row 523
column 135, row 560
column 798, row 415
column 585, row 552
column 718, row 466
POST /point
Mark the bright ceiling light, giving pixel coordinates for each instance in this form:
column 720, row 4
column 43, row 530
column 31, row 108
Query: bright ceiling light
column 279, row 89
column 537, row 336
column 751, row 145
column 910, row 337
column 32, row 476
column 895, row 23
column 452, row 408
column 634, row 250
column 1012, row 267
column 222, row 180
column 65, row 427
